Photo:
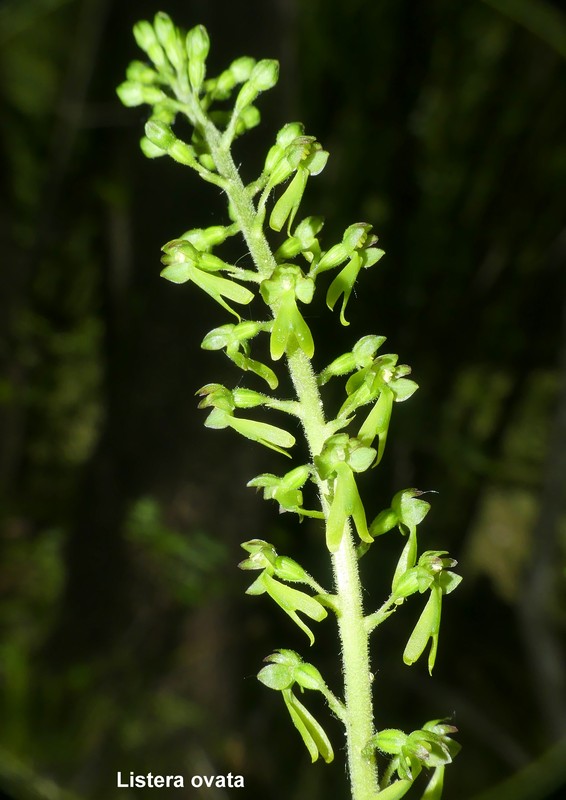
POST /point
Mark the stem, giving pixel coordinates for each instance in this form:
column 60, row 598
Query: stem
column 358, row 713
column 379, row 616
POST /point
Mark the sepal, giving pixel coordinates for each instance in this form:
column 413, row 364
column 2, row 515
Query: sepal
column 285, row 668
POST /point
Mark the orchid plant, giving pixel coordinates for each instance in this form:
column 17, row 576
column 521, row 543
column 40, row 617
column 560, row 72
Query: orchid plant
column 288, row 264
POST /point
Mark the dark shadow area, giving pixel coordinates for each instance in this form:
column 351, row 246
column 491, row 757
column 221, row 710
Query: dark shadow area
column 126, row 640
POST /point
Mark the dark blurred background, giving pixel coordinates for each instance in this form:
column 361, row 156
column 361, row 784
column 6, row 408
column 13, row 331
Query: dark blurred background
column 126, row 640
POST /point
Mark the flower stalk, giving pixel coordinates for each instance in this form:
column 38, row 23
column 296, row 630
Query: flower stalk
column 285, row 276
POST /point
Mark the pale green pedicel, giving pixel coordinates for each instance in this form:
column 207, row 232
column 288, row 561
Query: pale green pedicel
column 285, row 277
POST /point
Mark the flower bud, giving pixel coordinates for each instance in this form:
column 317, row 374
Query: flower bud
column 144, row 35
column 182, row 153
column 169, row 38
column 164, row 28
column 246, row 96
column 147, row 40
column 249, row 118
column 205, row 239
column 132, row 94
column 197, row 43
column 141, row 73
column 165, row 112
column 241, row 68
column 159, row 134
column 265, row 74
column 289, row 132
column 221, row 87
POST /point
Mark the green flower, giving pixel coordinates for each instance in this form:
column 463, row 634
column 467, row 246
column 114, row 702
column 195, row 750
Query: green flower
column 357, row 248
column 287, row 490
column 292, row 153
column 341, row 456
column 428, row 625
column 223, row 404
column 382, row 381
column 286, row 285
column 234, row 339
column 183, row 263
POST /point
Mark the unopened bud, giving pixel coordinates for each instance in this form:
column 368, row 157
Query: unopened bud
column 197, row 44
column 141, row 73
column 132, row 94
column 241, row 68
column 147, row 40
column 159, row 134
column 265, row 74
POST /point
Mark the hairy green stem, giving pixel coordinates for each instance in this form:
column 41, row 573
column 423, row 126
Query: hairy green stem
column 358, row 713
column 179, row 61
column 379, row 616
